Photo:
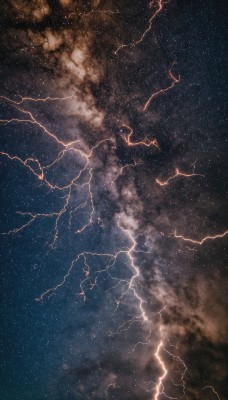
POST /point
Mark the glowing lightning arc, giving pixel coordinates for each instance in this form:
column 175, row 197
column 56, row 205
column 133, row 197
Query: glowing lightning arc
column 177, row 173
column 166, row 89
column 200, row 242
column 146, row 142
column 40, row 172
column 159, row 385
column 159, row 4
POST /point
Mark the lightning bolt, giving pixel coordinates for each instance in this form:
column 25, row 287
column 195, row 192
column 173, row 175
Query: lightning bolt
column 159, row 386
column 177, row 174
column 145, row 143
column 39, row 171
column 174, row 79
column 92, row 12
column 158, row 5
column 36, row 100
column 202, row 241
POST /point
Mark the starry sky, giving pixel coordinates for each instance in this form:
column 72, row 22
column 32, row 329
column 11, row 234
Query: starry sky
column 113, row 224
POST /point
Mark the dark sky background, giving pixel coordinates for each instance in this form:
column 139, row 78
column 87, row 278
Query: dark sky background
column 65, row 348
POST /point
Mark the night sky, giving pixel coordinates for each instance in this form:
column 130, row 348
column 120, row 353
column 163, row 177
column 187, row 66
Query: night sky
column 113, row 168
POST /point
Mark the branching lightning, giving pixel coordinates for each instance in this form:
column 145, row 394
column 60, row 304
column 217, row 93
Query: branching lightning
column 39, row 171
column 158, row 6
column 176, row 175
column 83, row 179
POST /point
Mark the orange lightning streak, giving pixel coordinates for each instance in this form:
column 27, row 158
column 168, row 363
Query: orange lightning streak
column 200, row 242
column 36, row 100
column 155, row 94
column 159, row 5
column 130, row 286
column 177, row 173
column 32, row 219
column 35, row 167
column 68, row 187
column 34, row 121
column 39, row 171
column 134, row 268
column 159, row 386
column 26, row 164
column 146, row 142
